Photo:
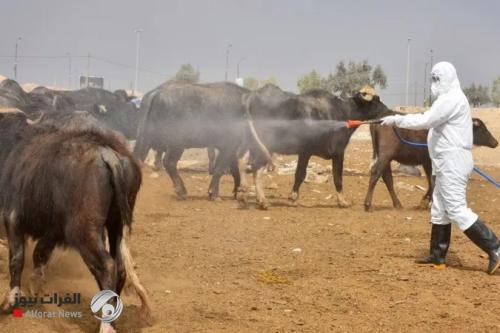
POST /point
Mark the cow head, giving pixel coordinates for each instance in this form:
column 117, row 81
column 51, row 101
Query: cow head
column 482, row 136
column 13, row 123
column 367, row 105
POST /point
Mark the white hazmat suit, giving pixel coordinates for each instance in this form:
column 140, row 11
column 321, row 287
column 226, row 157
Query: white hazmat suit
column 450, row 143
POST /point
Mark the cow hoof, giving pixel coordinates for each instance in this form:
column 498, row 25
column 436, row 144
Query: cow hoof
column 10, row 300
column 424, row 204
column 241, row 197
column 398, row 206
column 106, row 328
column 293, row 197
column 368, row 208
column 344, row 204
column 181, row 194
column 214, row 196
column 263, row 205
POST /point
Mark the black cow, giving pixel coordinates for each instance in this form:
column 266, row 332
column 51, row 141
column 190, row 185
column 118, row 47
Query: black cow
column 307, row 125
column 184, row 115
column 109, row 108
column 388, row 147
column 66, row 188
column 33, row 104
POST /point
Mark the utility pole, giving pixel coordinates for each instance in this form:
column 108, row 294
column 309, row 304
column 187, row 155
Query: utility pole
column 227, row 60
column 88, row 69
column 238, row 67
column 15, row 57
column 416, row 93
column 69, row 70
column 137, row 45
column 407, row 72
column 425, row 83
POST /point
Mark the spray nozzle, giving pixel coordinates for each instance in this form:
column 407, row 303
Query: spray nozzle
column 356, row 123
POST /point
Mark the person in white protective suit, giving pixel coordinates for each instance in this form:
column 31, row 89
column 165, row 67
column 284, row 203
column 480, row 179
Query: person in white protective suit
column 450, row 143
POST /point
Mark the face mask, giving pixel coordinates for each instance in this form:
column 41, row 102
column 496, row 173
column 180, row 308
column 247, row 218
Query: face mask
column 434, row 89
column 435, row 85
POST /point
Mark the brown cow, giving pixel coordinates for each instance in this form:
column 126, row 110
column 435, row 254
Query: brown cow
column 388, row 147
column 72, row 188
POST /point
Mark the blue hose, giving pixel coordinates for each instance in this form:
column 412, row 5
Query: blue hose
column 422, row 145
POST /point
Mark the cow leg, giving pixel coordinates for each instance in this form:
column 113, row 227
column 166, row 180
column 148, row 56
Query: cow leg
column 337, row 170
column 242, row 192
column 115, row 235
column 259, row 188
column 170, row 163
column 16, row 262
column 157, row 164
column 427, row 198
column 98, row 260
column 389, row 183
column 211, row 160
column 300, row 175
column 235, row 171
column 100, row 263
column 224, row 159
column 375, row 172
column 41, row 255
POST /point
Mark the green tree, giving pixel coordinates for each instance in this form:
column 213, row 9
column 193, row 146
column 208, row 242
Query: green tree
column 310, row 82
column 251, row 83
column 187, row 73
column 495, row 92
column 477, row 95
column 270, row 80
column 347, row 80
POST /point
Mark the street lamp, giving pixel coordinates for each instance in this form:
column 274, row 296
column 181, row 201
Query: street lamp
column 407, row 72
column 238, row 67
column 227, row 60
column 15, row 57
column 69, row 70
column 137, row 44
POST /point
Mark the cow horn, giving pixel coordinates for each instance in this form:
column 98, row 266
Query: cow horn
column 367, row 93
column 35, row 121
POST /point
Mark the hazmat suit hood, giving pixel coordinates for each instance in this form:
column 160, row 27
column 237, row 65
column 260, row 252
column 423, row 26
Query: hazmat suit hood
column 444, row 78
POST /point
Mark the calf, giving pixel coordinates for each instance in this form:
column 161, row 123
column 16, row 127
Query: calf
column 388, row 147
column 68, row 187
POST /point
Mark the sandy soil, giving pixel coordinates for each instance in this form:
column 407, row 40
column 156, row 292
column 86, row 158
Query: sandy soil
column 211, row 267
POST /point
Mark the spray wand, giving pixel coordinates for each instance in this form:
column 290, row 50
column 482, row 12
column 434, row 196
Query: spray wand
column 357, row 123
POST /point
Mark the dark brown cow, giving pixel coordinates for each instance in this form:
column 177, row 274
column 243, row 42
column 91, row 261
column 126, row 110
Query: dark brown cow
column 67, row 187
column 388, row 147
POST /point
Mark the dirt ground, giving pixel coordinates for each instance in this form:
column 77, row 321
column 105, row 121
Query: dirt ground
column 212, row 267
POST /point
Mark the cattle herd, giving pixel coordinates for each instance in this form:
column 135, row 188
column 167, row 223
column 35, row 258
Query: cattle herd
column 69, row 173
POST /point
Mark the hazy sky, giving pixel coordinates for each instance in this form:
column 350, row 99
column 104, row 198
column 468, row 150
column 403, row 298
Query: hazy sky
column 285, row 38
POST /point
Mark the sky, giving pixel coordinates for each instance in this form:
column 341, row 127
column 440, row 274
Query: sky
column 284, row 38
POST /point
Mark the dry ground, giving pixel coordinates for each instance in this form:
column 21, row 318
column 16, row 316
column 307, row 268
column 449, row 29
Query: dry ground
column 211, row 267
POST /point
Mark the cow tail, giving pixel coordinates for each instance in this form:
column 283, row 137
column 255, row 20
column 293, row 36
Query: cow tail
column 142, row 143
column 374, row 135
column 119, row 182
column 134, row 284
column 253, row 132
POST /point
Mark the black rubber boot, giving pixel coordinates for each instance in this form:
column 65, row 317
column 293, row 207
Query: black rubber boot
column 485, row 238
column 440, row 242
